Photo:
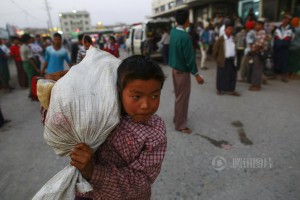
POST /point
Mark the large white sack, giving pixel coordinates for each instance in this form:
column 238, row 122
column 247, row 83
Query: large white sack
column 83, row 108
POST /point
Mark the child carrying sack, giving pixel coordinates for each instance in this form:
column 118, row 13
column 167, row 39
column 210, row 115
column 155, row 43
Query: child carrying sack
column 84, row 108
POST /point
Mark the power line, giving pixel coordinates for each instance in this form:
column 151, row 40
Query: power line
column 49, row 16
column 14, row 12
column 27, row 13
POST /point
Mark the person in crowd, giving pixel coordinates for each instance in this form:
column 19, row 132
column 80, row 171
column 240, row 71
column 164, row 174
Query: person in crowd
column 121, row 40
column 224, row 54
column 218, row 25
column 223, row 26
column 238, row 26
column 4, row 71
column 165, row 41
column 259, row 47
column 294, row 51
column 87, row 42
column 148, row 46
column 183, row 63
column 101, row 41
column 47, row 41
column 30, row 67
column 37, row 52
column 16, row 55
column 194, row 36
column 240, row 44
column 75, row 48
column 2, row 119
column 39, row 41
column 55, row 56
column 81, row 50
column 212, row 36
column 113, row 172
column 247, row 59
column 251, row 16
column 112, row 47
column 282, row 38
column 204, row 46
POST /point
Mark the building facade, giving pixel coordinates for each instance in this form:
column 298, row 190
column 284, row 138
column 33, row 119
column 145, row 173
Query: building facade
column 76, row 21
column 272, row 10
column 201, row 10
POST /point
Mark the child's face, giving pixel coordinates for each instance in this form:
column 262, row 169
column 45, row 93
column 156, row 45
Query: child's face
column 140, row 98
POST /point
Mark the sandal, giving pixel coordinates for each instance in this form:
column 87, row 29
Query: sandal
column 234, row 94
column 186, row 131
column 254, row 88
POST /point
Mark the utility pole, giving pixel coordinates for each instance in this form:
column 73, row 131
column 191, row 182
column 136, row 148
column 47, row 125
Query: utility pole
column 49, row 16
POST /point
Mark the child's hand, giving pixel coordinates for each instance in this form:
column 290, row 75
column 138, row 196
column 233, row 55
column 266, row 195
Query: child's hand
column 82, row 159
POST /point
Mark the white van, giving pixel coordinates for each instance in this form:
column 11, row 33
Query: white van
column 138, row 35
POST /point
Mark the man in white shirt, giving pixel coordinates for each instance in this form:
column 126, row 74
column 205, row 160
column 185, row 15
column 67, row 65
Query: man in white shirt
column 165, row 41
column 224, row 52
column 37, row 51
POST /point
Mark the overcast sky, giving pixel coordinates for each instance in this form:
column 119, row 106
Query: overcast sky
column 109, row 12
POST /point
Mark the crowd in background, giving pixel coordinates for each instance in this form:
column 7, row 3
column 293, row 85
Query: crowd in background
column 36, row 55
column 263, row 50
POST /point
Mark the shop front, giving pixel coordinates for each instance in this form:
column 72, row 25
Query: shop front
column 272, row 10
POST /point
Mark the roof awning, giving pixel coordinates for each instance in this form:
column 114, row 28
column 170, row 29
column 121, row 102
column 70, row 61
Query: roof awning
column 169, row 13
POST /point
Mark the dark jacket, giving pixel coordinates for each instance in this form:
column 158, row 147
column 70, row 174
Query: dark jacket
column 219, row 52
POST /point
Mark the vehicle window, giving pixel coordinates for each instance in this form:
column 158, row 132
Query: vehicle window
column 138, row 34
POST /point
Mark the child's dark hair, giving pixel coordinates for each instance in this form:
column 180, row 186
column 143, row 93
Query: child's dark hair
column 138, row 67
column 181, row 16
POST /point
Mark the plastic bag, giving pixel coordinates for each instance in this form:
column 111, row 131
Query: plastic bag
column 44, row 87
column 84, row 108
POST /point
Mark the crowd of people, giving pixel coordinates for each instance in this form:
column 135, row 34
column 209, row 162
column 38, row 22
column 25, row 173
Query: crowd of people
column 36, row 56
column 259, row 50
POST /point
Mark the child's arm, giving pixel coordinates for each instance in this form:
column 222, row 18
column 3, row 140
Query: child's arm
column 110, row 182
column 114, row 183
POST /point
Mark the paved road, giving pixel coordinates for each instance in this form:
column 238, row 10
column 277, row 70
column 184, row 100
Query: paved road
column 242, row 147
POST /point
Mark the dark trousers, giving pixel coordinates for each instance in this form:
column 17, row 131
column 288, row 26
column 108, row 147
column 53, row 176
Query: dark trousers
column 166, row 53
column 226, row 76
column 22, row 77
column 239, row 57
column 281, row 56
column 256, row 70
